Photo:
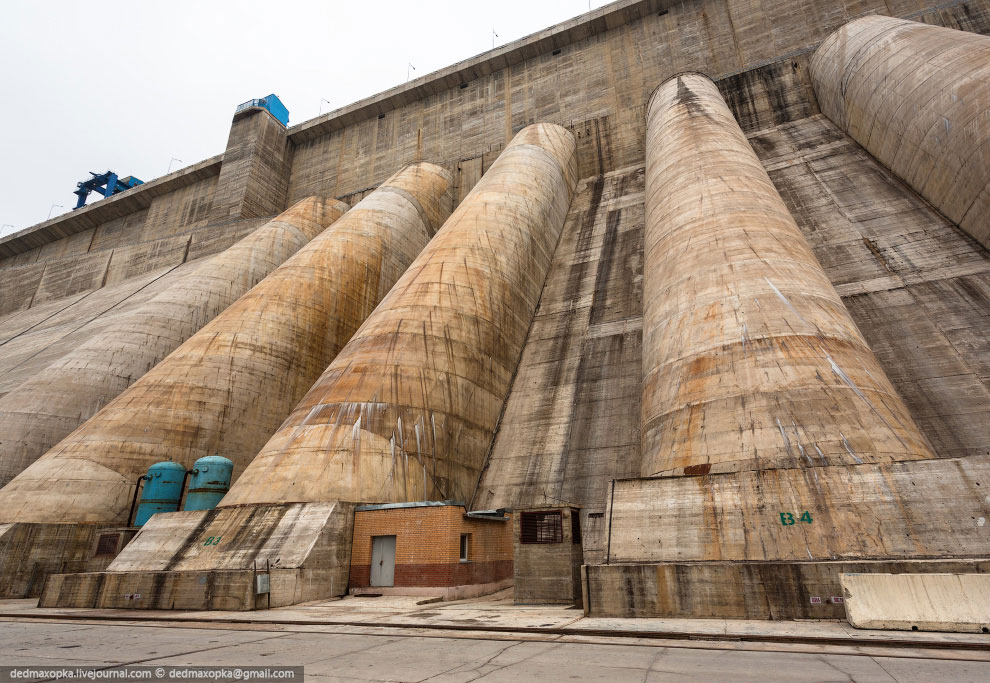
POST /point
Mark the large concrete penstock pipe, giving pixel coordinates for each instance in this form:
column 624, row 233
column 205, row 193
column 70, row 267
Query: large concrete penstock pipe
column 917, row 97
column 750, row 358
column 776, row 454
column 42, row 411
column 228, row 387
column 408, row 409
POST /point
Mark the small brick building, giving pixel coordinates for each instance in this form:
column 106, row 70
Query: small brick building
column 430, row 548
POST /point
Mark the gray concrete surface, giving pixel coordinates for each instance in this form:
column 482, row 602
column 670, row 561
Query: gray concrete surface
column 491, row 614
column 399, row 657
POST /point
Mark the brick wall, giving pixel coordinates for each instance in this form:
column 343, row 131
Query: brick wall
column 427, row 546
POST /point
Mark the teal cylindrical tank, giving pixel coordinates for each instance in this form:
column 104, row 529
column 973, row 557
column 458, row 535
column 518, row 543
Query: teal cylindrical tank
column 162, row 490
column 209, row 482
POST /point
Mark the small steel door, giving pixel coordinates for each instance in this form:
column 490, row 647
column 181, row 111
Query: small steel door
column 382, row 560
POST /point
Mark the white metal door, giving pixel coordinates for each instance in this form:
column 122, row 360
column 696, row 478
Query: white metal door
column 382, row 560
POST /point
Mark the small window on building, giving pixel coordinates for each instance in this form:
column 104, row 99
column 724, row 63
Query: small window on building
column 575, row 526
column 541, row 527
column 464, row 547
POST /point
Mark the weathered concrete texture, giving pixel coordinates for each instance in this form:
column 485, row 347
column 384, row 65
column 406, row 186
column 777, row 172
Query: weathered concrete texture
column 547, row 573
column 80, row 263
column 741, row 330
column 608, row 62
column 29, row 552
column 34, row 338
column 408, row 409
column 740, row 590
column 750, row 359
column 917, row 286
column 917, row 97
column 227, row 388
column 170, row 231
column 463, row 115
column 255, row 172
column 128, row 210
column 927, row 602
column 597, row 86
column 914, row 509
column 770, row 95
column 195, row 590
column 206, row 560
column 288, row 535
column 571, row 422
column 46, row 408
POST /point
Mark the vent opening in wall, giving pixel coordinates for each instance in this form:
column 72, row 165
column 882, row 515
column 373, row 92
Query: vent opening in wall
column 662, row 12
column 463, row 85
column 106, row 545
column 556, row 52
column 381, row 116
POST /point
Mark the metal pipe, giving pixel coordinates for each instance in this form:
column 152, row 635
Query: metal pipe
column 182, row 494
column 915, row 97
column 137, row 490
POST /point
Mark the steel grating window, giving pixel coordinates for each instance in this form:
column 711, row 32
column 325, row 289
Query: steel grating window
column 541, row 527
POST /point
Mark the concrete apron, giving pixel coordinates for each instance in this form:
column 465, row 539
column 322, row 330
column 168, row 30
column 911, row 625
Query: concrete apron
column 742, row 590
column 30, row 551
column 213, row 559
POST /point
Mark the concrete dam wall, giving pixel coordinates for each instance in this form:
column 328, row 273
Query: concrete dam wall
column 714, row 273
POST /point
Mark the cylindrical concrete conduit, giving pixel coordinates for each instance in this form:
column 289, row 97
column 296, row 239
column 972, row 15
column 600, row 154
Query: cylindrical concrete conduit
column 917, row 97
column 229, row 386
column 750, row 358
column 43, row 410
column 408, row 409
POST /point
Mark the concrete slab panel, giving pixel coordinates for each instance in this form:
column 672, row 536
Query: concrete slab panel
column 912, row 602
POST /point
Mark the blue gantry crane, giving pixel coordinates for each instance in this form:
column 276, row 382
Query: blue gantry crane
column 107, row 184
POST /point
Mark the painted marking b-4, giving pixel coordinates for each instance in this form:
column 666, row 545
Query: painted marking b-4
column 787, row 519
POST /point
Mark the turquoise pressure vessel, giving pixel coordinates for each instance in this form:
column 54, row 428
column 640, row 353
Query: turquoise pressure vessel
column 162, row 490
column 209, row 482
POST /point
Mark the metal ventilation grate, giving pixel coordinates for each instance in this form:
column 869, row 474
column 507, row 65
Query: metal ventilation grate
column 541, row 527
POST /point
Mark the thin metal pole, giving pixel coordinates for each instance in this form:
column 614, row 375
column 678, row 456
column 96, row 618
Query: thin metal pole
column 611, row 504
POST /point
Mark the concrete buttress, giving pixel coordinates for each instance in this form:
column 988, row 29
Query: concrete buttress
column 750, row 359
column 408, row 409
column 917, row 97
column 229, row 386
column 776, row 453
column 47, row 407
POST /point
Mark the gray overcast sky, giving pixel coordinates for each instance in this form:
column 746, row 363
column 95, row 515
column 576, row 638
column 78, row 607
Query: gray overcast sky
column 129, row 85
